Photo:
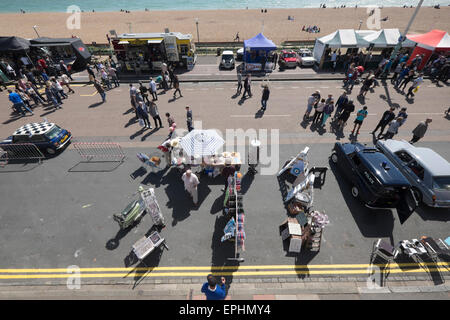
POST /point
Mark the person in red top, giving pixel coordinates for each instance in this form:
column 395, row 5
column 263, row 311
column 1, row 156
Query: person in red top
column 42, row 65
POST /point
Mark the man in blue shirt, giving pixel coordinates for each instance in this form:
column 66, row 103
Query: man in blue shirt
column 15, row 98
column 212, row 290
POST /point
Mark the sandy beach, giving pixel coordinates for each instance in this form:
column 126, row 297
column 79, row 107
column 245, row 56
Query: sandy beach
column 220, row 25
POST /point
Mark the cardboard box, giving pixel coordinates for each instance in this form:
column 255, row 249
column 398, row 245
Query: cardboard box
column 295, row 244
column 291, row 231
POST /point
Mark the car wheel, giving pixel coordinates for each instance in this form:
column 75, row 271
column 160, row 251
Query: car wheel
column 355, row 192
column 417, row 194
column 334, row 157
column 50, row 151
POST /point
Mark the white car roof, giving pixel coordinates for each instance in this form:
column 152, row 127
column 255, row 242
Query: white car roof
column 228, row 52
column 428, row 158
column 34, row 128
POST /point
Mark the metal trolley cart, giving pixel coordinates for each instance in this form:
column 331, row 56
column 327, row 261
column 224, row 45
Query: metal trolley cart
column 151, row 205
column 144, row 246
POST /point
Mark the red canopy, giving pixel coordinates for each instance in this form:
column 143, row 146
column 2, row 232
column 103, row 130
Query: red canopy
column 435, row 39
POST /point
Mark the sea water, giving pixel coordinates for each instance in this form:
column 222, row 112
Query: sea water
column 11, row 6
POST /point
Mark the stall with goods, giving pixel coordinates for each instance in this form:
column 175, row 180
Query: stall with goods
column 144, row 52
column 303, row 227
column 258, row 54
column 234, row 211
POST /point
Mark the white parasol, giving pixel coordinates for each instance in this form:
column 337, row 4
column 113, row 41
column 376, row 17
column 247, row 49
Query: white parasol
column 201, row 142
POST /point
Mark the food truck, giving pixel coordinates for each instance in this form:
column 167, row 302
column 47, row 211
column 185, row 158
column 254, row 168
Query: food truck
column 148, row 51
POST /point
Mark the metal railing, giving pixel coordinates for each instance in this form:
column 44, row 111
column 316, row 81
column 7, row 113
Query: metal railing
column 20, row 151
column 100, row 151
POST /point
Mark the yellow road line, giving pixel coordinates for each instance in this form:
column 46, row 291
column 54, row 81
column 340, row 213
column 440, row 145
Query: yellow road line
column 292, row 267
column 88, row 95
column 202, row 274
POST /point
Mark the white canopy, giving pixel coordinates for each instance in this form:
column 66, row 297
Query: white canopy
column 344, row 38
column 387, row 38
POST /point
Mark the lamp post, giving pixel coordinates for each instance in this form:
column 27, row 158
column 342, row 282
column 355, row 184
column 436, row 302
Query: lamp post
column 34, row 27
column 196, row 23
column 403, row 36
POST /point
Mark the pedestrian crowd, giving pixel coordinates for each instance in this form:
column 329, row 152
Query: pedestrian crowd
column 34, row 86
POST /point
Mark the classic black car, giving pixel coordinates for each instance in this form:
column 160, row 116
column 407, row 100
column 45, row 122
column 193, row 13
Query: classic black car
column 375, row 180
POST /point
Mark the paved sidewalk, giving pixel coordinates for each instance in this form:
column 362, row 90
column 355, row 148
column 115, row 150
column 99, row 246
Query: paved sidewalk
column 299, row 290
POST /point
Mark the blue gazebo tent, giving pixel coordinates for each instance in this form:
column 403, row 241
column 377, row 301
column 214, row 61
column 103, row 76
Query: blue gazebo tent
column 255, row 46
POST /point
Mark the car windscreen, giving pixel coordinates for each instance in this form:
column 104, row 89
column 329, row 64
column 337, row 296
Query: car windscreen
column 227, row 57
column 289, row 55
column 306, row 54
column 441, row 183
column 53, row 133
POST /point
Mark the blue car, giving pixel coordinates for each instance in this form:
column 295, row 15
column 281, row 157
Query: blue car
column 375, row 181
column 46, row 136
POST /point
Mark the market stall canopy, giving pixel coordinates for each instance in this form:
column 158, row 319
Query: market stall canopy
column 259, row 42
column 344, row 38
column 10, row 44
column 201, row 143
column 81, row 51
column 435, row 39
column 387, row 38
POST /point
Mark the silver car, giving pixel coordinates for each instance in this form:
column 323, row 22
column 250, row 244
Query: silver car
column 427, row 171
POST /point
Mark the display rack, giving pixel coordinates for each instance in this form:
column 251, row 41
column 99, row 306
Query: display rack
column 233, row 208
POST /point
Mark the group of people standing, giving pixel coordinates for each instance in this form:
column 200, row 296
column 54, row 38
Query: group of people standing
column 27, row 93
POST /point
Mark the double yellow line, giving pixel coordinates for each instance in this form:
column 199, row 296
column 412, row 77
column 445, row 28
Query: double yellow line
column 264, row 270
